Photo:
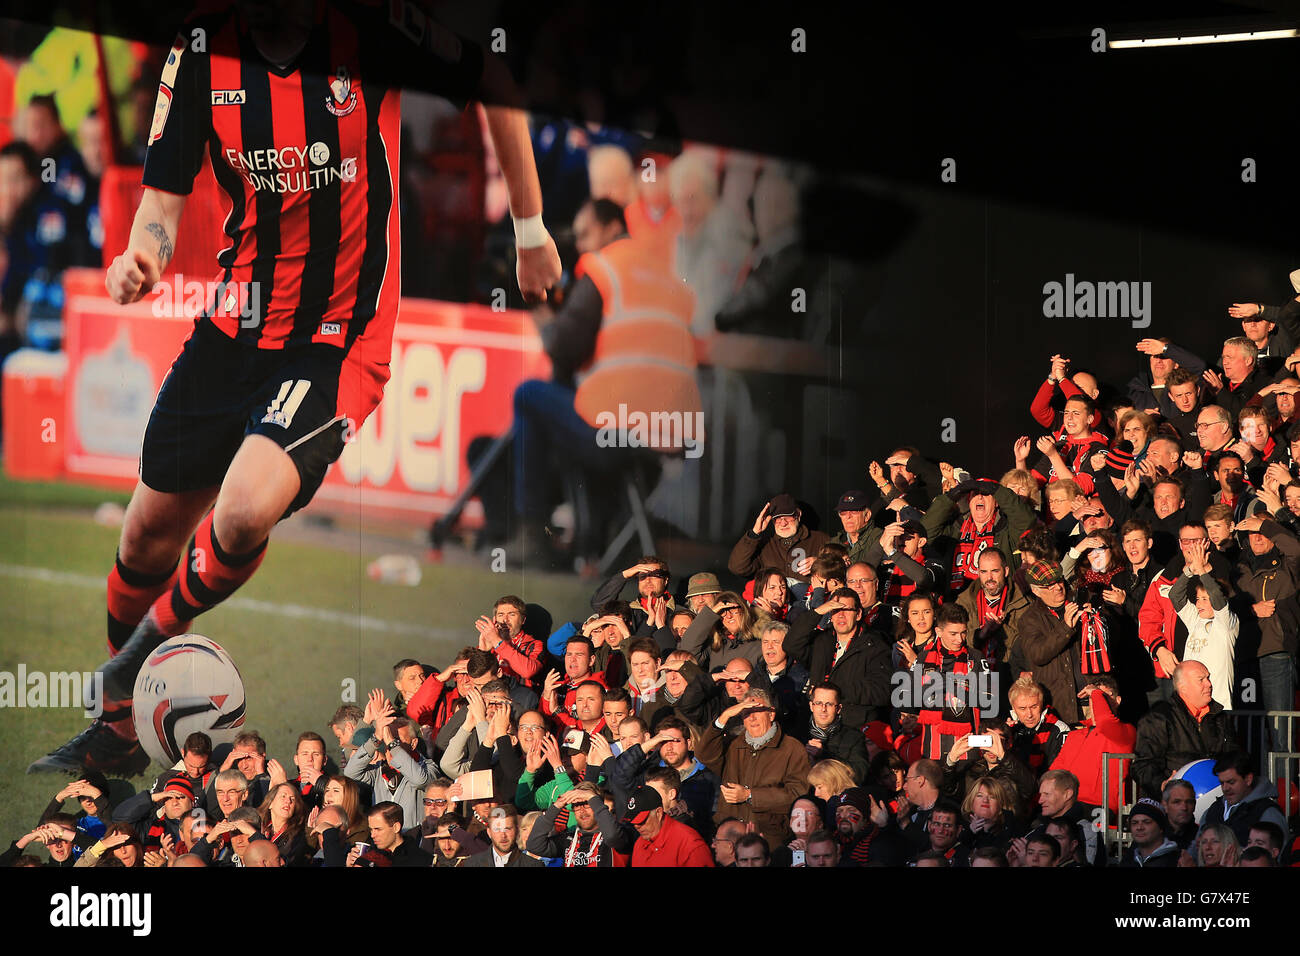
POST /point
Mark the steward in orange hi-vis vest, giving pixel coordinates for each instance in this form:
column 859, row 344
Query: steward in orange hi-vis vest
column 644, row 360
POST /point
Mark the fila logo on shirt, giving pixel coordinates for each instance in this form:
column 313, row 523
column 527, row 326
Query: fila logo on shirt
column 228, row 98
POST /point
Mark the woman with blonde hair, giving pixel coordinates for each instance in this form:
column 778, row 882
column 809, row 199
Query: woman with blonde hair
column 829, row 778
column 1022, row 482
column 526, row 824
column 722, row 632
column 1217, row 845
column 991, row 811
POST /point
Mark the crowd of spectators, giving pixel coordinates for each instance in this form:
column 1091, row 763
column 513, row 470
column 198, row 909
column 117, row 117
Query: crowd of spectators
column 938, row 684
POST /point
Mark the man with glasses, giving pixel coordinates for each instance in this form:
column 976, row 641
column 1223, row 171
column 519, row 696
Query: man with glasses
column 595, row 840
column 862, row 580
column 229, row 793
column 724, row 842
column 922, row 788
column 486, row 719
column 1054, row 643
column 436, row 804
column 827, row 737
column 1213, row 432
column 778, row 539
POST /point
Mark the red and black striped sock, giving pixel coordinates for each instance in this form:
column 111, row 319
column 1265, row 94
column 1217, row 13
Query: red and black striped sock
column 130, row 594
column 208, row 577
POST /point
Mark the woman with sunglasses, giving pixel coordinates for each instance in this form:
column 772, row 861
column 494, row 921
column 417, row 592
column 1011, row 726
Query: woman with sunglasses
column 722, row 632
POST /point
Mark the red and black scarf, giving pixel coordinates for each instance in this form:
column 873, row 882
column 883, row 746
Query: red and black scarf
column 957, row 715
column 898, row 585
column 983, row 606
column 1103, row 578
column 971, row 543
column 1094, row 638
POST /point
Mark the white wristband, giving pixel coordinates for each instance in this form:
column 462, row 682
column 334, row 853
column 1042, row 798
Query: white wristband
column 530, row 233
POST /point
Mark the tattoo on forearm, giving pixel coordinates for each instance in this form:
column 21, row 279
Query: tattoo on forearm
column 164, row 241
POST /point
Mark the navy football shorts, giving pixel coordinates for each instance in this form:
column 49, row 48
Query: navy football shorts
column 219, row 390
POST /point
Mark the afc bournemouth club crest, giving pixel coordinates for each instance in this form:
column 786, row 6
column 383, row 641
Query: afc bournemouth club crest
column 343, row 98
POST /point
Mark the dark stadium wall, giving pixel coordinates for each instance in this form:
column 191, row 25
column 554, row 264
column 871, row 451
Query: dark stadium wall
column 959, row 332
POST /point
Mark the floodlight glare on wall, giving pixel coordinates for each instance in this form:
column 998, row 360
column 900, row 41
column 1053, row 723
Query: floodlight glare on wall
column 1210, row 38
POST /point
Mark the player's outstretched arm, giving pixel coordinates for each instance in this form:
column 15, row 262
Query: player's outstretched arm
column 151, row 247
column 539, row 261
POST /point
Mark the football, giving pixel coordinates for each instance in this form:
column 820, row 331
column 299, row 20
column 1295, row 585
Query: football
column 188, row 684
column 1200, row 774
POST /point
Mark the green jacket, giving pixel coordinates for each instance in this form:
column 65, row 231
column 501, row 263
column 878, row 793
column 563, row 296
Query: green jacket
column 858, row 552
column 944, row 519
column 530, row 797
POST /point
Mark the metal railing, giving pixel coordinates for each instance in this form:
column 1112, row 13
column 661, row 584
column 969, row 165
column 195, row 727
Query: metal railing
column 1115, row 842
column 1256, row 730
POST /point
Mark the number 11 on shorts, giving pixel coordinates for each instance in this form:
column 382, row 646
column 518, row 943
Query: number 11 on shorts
column 282, row 409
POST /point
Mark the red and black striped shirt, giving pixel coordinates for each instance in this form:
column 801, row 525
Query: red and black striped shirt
column 308, row 155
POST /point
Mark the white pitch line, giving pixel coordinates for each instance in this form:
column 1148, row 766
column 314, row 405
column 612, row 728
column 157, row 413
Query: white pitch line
column 298, row 611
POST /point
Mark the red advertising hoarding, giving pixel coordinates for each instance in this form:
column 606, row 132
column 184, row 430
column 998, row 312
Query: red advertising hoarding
column 454, row 369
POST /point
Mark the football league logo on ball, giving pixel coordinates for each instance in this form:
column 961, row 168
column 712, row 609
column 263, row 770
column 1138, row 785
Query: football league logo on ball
column 188, row 684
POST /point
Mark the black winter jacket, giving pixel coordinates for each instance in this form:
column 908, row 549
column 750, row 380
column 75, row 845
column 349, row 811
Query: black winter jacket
column 1169, row 737
column 863, row 674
